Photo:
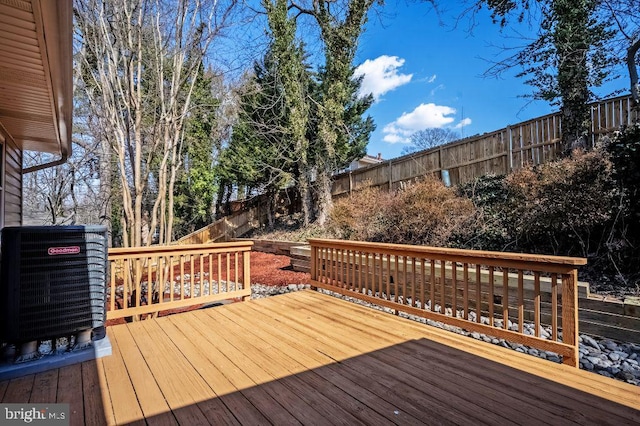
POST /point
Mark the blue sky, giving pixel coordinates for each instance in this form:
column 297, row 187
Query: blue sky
column 424, row 71
column 424, row 74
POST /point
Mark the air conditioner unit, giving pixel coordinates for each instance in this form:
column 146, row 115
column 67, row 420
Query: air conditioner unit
column 53, row 282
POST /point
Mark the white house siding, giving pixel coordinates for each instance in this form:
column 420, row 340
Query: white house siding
column 12, row 187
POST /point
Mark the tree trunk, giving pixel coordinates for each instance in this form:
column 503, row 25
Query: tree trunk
column 633, row 72
column 305, row 195
column 323, row 191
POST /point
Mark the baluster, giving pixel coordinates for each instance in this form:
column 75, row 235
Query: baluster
column 520, row 301
column 554, row 307
column 491, row 296
column 465, row 300
column 478, row 293
column 505, row 298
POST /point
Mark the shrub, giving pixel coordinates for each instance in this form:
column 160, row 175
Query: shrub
column 492, row 228
column 564, row 207
column 425, row 213
column 428, row 213
column 624, row 151
column 361, row 215
column 586, row 205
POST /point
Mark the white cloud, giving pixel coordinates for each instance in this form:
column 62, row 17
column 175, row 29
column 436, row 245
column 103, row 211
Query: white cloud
column 462, row 123
column 381, row 75
column 433, row 91
column 424, row 116
column 431, row 79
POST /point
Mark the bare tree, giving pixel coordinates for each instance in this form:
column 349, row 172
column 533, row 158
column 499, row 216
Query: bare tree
column 139, row 62
column 429, row 138
column 66, row 194
column 625, row 16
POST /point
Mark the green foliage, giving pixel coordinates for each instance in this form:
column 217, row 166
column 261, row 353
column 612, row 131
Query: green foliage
column 492, row 229
column 292, row 122
column 570, row 56
column 196, row 184
column 583, row 206
column 342, row 133
column 624, row 150
column 561, row 207
column 269, row 143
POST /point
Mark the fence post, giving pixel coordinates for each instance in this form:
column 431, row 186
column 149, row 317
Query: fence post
column 350, row 181
column 570, row 315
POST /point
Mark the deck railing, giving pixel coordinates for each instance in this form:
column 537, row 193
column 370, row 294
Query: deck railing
column 493, row 293
column 146, row 280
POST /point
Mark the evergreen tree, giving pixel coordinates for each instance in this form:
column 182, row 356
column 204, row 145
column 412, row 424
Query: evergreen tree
column 196, row 185
column 569, row 57
column 341, row 133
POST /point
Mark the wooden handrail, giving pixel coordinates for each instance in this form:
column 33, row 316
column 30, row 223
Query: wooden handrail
column 479, row 291
column 146, row 280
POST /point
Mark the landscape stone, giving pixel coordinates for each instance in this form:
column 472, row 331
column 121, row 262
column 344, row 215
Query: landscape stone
column 588, row 340
column 586, row 365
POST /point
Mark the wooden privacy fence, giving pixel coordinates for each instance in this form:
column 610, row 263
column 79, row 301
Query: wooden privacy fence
column 534, row 142
column 226, row 228
column 146, row 280
column 476, row 290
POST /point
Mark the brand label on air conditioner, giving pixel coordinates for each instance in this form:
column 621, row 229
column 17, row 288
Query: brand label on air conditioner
column 53, row 251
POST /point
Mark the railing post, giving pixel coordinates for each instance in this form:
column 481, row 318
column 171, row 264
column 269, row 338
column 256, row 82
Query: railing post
column 570, row 315
column 313, row 265
column 246, row 272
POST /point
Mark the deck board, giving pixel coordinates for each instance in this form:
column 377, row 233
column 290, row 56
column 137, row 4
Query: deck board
column 390, row 370
column 277, row 364
column 94, row 409
column 19, row 390
column 308, row 358
column 152, row 401
column 243, row 357
column 218, row 370
column 508, row 397
column 69, row 382
column 382, row 398
column 181, row 385
column 45, row 387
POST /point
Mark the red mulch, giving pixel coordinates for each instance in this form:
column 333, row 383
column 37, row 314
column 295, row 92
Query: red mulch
column 266, row 269
column 271, row 269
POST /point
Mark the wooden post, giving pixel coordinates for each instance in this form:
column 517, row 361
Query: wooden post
column 570, row 315
column 509, row 150
column 313, row 266
column 246, row 272
column 390, row 176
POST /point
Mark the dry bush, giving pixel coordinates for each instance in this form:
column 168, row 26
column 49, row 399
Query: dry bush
column 361, row 215
column 561, row 206
column 428, row 213
column 425, row 213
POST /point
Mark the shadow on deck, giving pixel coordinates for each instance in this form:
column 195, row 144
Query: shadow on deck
column 308, row 358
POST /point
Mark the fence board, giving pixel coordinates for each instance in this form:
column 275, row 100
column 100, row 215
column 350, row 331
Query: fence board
column 534, row 141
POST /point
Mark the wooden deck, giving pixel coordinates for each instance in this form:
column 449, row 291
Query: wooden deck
column 308, row 358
